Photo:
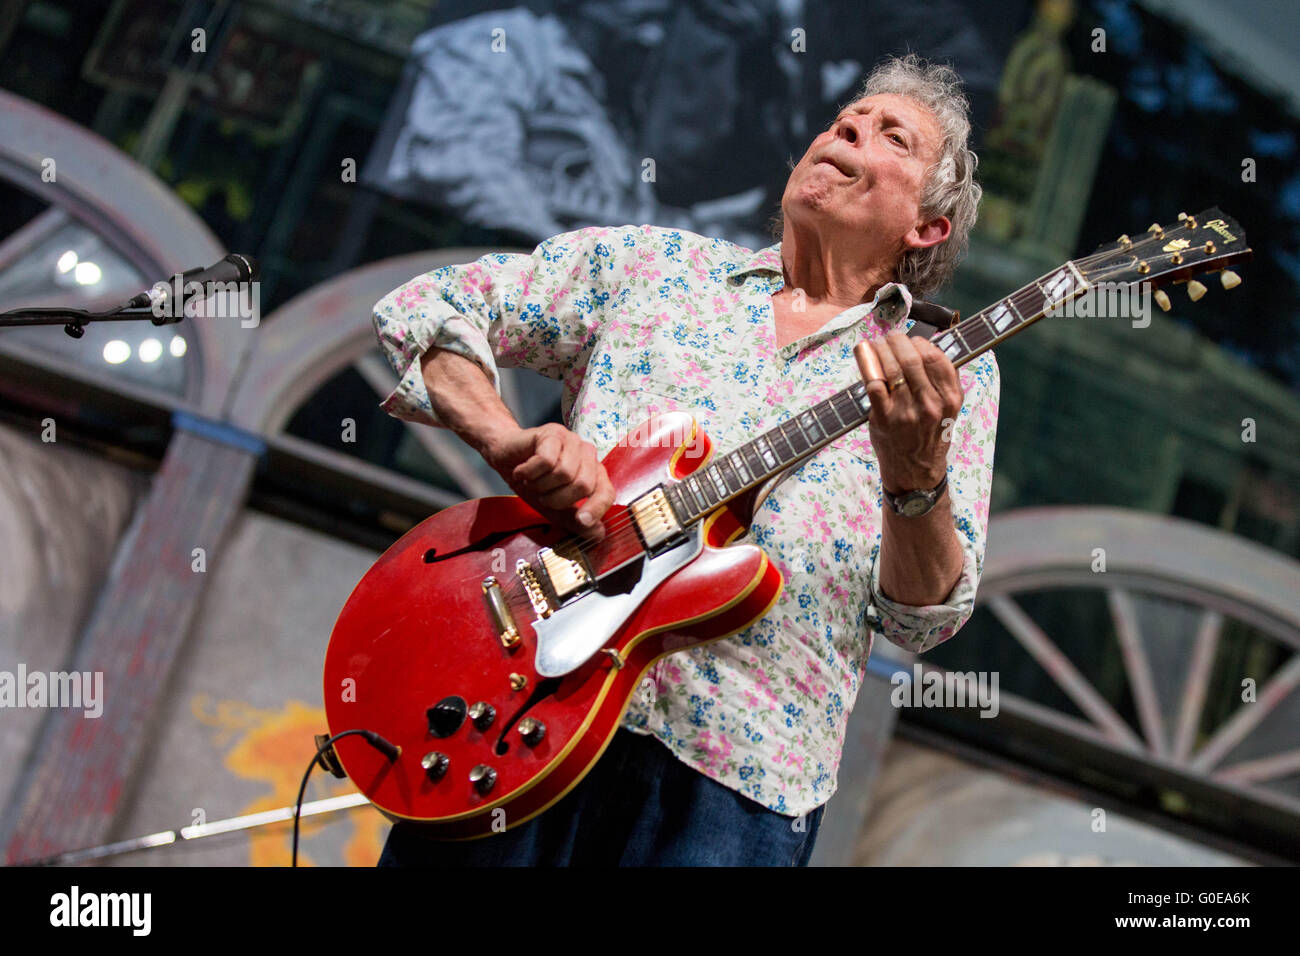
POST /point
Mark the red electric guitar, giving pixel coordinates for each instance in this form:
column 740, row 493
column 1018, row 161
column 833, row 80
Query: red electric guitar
column 499, row 653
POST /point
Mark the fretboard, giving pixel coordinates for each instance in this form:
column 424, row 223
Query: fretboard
column 803, row 435
column 983, row 330
column 770, row 453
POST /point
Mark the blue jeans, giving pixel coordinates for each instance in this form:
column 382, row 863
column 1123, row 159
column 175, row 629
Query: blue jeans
column 639, row 806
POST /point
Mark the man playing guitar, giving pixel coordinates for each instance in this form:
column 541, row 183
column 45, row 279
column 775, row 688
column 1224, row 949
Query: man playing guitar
column 731, row 753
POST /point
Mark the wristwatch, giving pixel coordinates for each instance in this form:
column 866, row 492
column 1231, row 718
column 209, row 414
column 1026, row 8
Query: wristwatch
column 913, row 504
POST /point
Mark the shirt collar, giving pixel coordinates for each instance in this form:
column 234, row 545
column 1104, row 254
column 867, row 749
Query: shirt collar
column 769, row 260
column 764, row 260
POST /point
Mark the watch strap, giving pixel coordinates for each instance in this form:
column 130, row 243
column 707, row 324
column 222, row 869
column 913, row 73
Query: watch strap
column 897, row 502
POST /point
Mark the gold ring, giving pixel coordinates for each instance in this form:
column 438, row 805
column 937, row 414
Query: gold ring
column 897, row 382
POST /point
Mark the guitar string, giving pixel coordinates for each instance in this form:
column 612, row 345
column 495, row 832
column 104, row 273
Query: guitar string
column 618, row 531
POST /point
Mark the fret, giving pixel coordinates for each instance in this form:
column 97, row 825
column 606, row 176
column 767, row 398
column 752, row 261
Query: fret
column 800, row 442
column 779, row 432
column 979, row 334
column 1041, row 295
column 765, row 450
column 688, row 496
column 673, row 494
column 715, row 476
column 823, row 411
column 701, row 490
column 830, row 405
column 845, row 408
column 729, row 475
column 956, row 330
column 1003, row 316
column 1038, row 305
column 858, row 393
column 949, row 345
column 811, row 427
column 753, row 460
column 973, row 335
column 741, row 467
column 1056, row 287
column 1040, row 302
column 778, row 436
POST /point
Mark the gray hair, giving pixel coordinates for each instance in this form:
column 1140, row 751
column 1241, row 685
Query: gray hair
column 950, row 188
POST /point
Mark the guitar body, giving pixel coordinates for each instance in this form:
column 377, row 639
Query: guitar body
column 418, row 630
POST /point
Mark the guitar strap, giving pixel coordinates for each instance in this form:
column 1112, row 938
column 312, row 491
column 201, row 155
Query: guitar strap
column 930, row 317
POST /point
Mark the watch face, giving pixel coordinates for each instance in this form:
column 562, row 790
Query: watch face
column 915, row 506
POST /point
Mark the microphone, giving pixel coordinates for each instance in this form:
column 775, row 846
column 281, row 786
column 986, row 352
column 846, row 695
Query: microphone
column 233, row 268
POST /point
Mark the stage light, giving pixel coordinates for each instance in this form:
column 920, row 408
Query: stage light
column 116, row 352
column 67, row 261
column 150, row 350
column 87, row 273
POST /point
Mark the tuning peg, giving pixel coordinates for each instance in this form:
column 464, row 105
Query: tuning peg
column 1182, row 216
column 1162, row 300
column 1229, row 279
column 1195, row 290
column 1154, row 227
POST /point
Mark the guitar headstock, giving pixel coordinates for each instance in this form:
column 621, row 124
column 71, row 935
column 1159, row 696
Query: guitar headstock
column 1210, row 241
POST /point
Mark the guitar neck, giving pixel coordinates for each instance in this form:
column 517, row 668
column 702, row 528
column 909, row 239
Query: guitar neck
column 800, row 437
column 754, row 462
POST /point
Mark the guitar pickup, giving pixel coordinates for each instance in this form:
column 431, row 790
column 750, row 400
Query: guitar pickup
column 566, row 575
column 654, row 520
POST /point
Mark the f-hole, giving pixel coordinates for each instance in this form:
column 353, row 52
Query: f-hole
column 543, row 690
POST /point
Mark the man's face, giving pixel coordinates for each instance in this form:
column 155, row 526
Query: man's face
column 861, row 179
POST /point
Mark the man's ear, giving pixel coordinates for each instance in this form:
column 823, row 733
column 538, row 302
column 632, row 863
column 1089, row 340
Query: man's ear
column 929, row 233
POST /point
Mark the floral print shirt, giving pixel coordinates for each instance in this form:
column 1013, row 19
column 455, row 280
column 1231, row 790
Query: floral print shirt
column 637, row 320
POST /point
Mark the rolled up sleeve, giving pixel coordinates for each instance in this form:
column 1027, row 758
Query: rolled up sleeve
column 539, row 311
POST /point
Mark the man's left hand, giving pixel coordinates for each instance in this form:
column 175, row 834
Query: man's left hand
column 912, row 411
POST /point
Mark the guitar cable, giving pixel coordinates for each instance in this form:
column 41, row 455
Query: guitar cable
column 387, row 748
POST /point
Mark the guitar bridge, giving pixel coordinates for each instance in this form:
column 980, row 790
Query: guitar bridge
column 533, row 588
column 566, row 575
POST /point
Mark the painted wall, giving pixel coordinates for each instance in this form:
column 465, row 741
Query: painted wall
column 62, row 511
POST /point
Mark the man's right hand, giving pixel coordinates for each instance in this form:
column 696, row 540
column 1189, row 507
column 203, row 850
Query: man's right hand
column 557, row 473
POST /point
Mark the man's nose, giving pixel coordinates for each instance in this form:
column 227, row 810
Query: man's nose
column 847, row 130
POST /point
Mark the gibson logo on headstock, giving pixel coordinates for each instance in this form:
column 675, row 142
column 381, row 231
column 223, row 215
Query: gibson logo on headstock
column 1221, row 227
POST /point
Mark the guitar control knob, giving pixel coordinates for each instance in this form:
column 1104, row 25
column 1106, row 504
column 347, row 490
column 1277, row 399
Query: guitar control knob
column 532, row 730
column 482, row 714
column 446, row 716
column 483, row 778
column 435, row 764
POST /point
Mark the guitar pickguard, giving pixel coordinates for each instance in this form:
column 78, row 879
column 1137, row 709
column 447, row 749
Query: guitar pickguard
column 568, row 638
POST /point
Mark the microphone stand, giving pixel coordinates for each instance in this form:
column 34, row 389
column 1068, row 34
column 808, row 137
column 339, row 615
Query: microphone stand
column 234, row 268
column 74, row 320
